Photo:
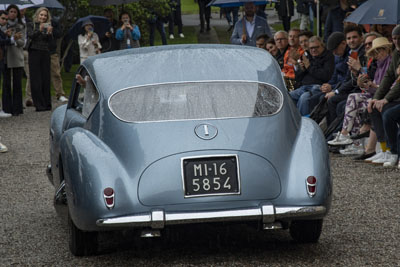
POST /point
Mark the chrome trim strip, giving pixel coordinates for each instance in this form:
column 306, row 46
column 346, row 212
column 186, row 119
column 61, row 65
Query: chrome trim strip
column 212, row 156
column 266, row 213
column 204, row 81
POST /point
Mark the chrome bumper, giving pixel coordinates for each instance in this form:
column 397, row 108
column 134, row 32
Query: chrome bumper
column 267, row 214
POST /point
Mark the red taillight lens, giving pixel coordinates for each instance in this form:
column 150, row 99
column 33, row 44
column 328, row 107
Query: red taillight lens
column 109, row 197
column 311, row 184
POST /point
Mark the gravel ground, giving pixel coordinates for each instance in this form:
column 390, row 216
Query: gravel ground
column 362, row 228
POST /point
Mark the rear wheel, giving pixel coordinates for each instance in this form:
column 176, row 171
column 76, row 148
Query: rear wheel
column 81, row 243
column 306, row 231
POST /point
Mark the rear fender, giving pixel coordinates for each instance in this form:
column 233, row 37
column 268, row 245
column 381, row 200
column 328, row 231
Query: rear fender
column 310, row 157
column 90, row 166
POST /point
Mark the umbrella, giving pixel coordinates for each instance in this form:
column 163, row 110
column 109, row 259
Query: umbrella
column 48, row 3
column 111, row 2
column 101, row 26
column 376, row 12
column 20, row 3
column 235, row 3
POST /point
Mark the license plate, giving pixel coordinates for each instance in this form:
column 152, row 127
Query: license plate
column 214, row 175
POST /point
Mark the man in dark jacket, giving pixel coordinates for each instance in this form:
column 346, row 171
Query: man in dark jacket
column 334, row 20
column 108, row 41
column 356, row 61
column 312, row 72
column 285, row 10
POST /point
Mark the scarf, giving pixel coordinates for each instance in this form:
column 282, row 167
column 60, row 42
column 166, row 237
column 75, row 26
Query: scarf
column 382, row 66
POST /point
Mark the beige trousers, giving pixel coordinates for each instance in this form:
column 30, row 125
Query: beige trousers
column 28, row 93
column 55, row 75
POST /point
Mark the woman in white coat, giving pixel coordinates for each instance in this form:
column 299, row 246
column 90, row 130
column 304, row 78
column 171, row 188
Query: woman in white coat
column 89, row 44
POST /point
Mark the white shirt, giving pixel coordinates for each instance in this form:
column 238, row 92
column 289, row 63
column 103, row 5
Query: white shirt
column 250, row 26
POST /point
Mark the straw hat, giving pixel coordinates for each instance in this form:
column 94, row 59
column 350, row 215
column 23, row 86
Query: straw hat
column 380, row 42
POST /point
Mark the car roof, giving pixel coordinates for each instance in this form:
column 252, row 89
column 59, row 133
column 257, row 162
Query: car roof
column 117, row 70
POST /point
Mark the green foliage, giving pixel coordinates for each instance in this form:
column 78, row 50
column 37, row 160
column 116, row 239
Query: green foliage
column 141, row 12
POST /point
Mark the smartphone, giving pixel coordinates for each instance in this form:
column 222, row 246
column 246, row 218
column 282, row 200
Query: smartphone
column 354, row 54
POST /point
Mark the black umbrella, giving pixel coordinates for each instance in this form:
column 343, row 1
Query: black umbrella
column 111, row 2
column 50, row 4
column 15, row 2
column 101, row 26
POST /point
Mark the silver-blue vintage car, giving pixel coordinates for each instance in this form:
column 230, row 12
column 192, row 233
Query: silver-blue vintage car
column 161, row 136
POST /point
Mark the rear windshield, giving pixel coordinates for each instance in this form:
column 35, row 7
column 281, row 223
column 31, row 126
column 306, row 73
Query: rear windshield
column 195, row 100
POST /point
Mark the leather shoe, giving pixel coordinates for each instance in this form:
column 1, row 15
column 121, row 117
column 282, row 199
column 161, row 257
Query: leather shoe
column 361, row 135
column 29, row 103
column 364, row 156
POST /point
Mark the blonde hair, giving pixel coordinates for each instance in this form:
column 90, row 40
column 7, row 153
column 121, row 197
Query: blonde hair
column 36, row 16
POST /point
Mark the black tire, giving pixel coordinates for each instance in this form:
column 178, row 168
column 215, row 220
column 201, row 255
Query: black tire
column 306, row 231
column 81, row 243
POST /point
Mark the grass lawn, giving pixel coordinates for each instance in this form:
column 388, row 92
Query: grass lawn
column 191, row 7
column 189, row 32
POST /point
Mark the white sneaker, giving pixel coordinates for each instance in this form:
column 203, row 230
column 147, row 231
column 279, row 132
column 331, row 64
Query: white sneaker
column 352, row 150
column 340, row 140
column 374, row 157
column 4, row 115
column 171, row 36
column 382, row 159
column 3, row 148
column 181, row 35
column 63, row 99
column 391, row 160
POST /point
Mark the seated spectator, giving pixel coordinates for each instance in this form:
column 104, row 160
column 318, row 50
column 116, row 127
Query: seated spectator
column 271, row 47
column 391, row 122
column 128, row 34
column 357, row 102
column 386, row 97
column 292, row 55
column 355, row 62
column 281, row 41
column 249, row 27
column 304, row 36
column 312, row 71
column 261, row 40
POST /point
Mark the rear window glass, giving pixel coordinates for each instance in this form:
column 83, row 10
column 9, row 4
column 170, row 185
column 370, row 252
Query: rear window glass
column 195, row 100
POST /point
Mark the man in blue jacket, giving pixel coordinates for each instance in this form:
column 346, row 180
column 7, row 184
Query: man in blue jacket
column 248, row 28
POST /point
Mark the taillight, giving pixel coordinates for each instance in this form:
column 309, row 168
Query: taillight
column 311, row 184
column 109, row 197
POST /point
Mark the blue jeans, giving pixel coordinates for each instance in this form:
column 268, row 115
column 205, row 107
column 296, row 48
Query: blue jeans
column 391, row 119
column 302, row 95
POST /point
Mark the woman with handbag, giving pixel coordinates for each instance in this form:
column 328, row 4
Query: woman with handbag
column 14, row 60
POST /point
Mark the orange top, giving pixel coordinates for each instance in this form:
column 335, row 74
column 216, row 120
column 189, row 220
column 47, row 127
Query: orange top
column 288, row 69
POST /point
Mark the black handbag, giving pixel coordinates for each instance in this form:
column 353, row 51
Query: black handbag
column 320, row 110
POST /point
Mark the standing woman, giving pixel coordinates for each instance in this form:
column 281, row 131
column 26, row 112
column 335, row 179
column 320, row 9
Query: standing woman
column 40, row 33
column 12, row 89
column 128, row 34
column 89, row 44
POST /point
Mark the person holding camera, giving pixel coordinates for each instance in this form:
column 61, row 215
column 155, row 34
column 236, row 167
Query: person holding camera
column 40, row 34
column 14, row 60
column 89, row 44
column 128, row 34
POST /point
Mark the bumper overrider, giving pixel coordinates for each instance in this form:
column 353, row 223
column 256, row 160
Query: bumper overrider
column 267, row 214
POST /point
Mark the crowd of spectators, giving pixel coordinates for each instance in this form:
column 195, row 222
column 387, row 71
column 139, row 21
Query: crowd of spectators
column 348, row 81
